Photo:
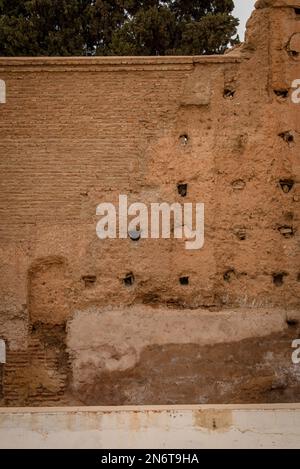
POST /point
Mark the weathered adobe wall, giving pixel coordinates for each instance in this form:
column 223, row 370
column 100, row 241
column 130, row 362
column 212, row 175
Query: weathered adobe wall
column 77, row 132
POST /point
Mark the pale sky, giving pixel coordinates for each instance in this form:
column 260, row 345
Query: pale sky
column 243, row 9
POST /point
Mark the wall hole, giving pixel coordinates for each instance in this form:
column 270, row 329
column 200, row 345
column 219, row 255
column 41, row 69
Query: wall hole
column 286, row 231
column 287, row 136
column 282, row 93
column 238, row 185
column 182, row 189
column 184, row 281
column 289, row 216
column 135, row 235
column 184, row 139
column 240, row 143
column 297, row 12
column 293, row 46
column 128, row 279
column 292, row 322
column 89, row 280
column 286, row 185
column 229, row 93
column 229, row 275
column 240, row 233
column 278, row 279
column 298, row 277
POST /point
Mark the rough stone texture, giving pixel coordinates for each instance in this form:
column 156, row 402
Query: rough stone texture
column 75, row 132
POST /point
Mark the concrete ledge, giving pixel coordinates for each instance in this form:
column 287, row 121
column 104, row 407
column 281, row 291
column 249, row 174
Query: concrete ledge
column 230, row 426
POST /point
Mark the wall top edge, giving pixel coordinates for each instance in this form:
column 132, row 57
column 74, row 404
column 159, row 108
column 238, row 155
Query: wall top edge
column 149, row 408
column 118, row 61
column 277, row 4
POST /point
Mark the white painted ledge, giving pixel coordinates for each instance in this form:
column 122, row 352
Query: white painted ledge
column 260, row 426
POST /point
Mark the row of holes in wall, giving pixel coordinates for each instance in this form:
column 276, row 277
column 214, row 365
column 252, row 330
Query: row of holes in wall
column 282, row 93
column 228, row 276
column 128, row 280
column 285, row 184
column 182, row 188
column 278, row 277
column 287, row 136
column 286, row 231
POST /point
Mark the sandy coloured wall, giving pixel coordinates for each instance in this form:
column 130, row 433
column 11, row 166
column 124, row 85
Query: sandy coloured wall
column 80, row 131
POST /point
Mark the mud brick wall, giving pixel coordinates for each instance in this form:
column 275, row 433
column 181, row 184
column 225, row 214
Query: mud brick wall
column 75, row 132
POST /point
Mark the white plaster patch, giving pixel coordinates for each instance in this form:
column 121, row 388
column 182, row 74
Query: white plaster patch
column 2, row 351
column 2, row 92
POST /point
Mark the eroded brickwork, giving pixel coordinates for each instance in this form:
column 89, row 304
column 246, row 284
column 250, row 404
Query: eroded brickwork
column 216, row 324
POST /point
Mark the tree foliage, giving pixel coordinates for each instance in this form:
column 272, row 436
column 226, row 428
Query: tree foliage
column 119, row 27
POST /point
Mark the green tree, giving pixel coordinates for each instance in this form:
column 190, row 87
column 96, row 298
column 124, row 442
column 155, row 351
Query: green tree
column 150, row 31
column 115, row 27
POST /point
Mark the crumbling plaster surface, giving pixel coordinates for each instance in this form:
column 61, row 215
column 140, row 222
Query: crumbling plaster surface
column 142, row 325
column 159, row 355
column 75, row 132
column 96, row 336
